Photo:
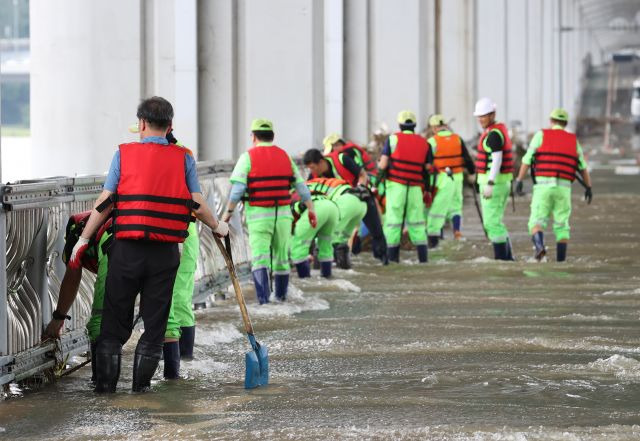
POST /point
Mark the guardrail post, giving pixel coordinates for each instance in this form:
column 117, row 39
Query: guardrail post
column 4, row 325
column 37, row 273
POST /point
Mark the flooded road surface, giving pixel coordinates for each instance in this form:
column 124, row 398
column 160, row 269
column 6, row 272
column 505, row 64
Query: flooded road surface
column 462, row 348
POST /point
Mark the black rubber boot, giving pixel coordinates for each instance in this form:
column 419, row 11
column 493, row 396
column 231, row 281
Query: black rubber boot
column 261, row 282
column 561, row 251
column 343, row 260
column 282, row 283
column 538, row 241
column 171, row 356
column 422, row 253
column 356, row 246
column 433, row 241
column 145, row 363
column 108, row 358
column 187, row 340
column 393, row 253
column 303, row 269
column 325, row 269
column 500, row 251
column 93, row 363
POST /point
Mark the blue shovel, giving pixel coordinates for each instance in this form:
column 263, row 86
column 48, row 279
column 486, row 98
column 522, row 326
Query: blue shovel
column 256, row 360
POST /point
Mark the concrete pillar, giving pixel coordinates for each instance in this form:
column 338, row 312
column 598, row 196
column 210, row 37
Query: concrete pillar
column 491, row 56
column 457, row 66
column 82, row 93
column 281, row 71
column 398, row 60
column 185, row 102
column 357, row 67
column 217, row 82
column 333, row 65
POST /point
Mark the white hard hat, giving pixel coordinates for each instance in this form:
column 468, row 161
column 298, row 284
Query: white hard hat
column 484, row 106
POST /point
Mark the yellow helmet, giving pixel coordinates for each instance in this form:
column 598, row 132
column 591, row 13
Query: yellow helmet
column 559, row 114
column 437, row 120
column 407, row 117
column 261, row 124
column 329, row 141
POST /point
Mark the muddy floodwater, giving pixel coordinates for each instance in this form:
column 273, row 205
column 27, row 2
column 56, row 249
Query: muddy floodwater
column 461, row 348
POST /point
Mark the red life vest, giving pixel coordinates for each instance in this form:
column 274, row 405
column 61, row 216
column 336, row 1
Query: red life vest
column 448, row 153
column 368, row 164
column 483, row 161
column 407, row 162
column 557, row 157
column 339, row 170
column 153, row 201
column 270, row 178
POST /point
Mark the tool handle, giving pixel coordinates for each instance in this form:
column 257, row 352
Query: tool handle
column 248, row 327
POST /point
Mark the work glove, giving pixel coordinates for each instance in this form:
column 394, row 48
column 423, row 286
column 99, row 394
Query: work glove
column 519, row 187
column 75, row 261
column 222, row 229
column 313, row 219
column 487, row 192
column 427, row 198
column 588, row 195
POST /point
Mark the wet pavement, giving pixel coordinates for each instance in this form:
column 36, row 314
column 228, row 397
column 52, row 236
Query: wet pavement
column 462, row 348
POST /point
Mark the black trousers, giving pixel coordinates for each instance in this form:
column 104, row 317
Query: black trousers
column 145, row 267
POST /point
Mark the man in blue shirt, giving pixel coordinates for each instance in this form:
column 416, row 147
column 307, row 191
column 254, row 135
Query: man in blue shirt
column 152, row 190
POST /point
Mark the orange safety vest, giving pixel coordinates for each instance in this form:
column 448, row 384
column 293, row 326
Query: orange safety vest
column 448, row 153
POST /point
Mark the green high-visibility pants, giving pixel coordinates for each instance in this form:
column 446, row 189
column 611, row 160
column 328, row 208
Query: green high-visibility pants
column 327, row 213
column 352, row 211
column 270, row 237
column 93, row 325
column 446, row 204
column 404, row 200
column 181, row 312
column 551, row 200
column 493, row 211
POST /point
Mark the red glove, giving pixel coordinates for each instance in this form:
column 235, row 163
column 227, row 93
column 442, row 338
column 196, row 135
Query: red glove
column 428, row 199
column 313, row 219
column 75, row 261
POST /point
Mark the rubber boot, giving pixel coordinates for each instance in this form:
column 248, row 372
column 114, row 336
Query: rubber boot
column 108, row 358
column 433, row 241
column 187, row 340
column 145, row 363
column 171, row 356
column 456, row 223
column 356, row 246
column 379, row 248
column 343, row 260
column 422, row 253
column 93, row 363
column 441, row 233
column 538, row 241
column 561, row 251
column 282, row 283
column 261, row 281
column 325, row 269
column 500, row 251
column 303, row 269
column 393, row 253
column 510, row 251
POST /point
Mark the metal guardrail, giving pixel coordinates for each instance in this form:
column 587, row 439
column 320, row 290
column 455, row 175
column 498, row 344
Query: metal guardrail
column 33, row 218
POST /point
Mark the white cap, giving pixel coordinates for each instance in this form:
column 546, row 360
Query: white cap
column 484, row 106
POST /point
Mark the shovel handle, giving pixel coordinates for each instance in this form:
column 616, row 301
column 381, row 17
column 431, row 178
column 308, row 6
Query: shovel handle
column 248, row 327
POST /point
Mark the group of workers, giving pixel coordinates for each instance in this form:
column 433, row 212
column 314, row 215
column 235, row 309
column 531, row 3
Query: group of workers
column 152, row 197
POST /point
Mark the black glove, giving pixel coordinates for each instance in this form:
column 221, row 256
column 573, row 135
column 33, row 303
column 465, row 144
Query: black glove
column 588, row 195
column 519, row 187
